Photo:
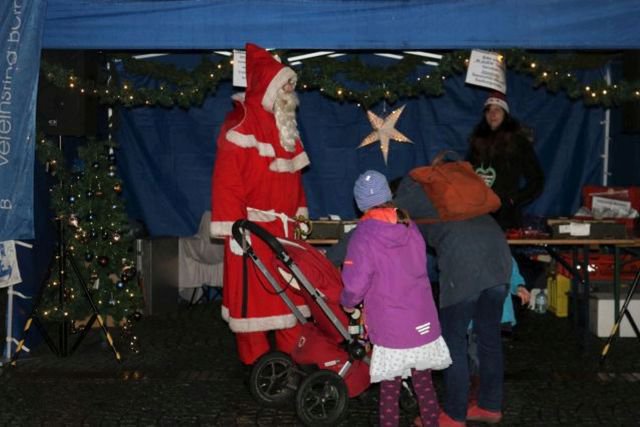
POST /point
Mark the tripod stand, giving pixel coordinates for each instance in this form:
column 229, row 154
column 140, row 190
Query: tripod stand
column 624, row 311
column 64, row 256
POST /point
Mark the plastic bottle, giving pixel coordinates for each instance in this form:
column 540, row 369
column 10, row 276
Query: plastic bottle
column 541, row 302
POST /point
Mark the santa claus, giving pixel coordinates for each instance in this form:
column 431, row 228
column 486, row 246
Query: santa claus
column 257, row 176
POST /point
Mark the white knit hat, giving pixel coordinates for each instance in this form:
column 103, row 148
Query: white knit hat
column 499, row 99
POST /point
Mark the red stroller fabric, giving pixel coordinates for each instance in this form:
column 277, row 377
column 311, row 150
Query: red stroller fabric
column 320, row 341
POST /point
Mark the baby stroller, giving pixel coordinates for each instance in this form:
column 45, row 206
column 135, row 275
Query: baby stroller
column 329, row 364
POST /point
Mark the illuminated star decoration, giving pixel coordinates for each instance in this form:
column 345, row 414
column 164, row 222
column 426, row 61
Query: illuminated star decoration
column 383, row 131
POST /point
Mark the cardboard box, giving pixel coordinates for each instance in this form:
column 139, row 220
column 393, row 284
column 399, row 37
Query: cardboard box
column 559, row 287
column 631, row 194
column 631, row 225
column 626, row 194
column 330, row 230
column 587, row 228
column 601, row 314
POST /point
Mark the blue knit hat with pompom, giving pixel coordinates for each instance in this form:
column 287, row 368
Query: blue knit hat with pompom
column 371, row 189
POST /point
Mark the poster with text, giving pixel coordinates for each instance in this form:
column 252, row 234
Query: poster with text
column 487, row 69
column 239, row 68
column 21, row 27
column 9, row 271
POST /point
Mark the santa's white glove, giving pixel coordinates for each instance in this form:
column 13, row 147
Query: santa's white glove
column 236, row 249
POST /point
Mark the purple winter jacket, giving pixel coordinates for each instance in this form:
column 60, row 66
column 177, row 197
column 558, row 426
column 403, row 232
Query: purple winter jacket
column 386, row 268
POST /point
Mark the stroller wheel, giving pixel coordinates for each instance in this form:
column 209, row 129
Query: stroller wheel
column 322, row 399
column 271, row 377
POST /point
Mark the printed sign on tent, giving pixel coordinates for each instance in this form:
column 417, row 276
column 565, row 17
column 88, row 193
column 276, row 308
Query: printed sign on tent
column 9, row 271
column 487, row 69
column 21, row 28
column 239, row 68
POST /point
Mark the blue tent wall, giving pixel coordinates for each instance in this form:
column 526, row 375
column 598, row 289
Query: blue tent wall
column 625, row 155
column 356, row 24
column 166, row 155
column 624, row 147
column 350, row 24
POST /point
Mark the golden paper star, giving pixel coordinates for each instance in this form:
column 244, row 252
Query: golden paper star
column 384, row 130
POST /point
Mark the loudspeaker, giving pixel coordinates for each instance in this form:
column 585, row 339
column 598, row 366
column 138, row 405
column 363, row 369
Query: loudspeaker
column 631, row 109
column 158, row 265
column 66, row 111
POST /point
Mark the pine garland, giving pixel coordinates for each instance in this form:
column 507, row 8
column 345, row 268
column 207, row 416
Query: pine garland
column 345, row 80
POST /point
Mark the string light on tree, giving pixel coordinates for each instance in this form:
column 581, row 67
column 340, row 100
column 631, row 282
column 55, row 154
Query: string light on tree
column 97, row 229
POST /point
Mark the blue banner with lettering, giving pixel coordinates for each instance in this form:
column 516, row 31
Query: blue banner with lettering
column 20, row 41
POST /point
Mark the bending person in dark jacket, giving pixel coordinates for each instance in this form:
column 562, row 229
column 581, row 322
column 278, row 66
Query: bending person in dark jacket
column 474, row 263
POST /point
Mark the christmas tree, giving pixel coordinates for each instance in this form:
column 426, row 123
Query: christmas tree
column 94, row 229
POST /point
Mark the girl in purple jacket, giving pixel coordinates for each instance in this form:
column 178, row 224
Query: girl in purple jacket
column 386, row 269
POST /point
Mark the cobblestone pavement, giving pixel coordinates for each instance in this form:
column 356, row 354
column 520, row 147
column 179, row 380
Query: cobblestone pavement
column 187, row 375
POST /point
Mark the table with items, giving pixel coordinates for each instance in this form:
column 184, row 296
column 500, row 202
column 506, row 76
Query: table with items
column 581, row 259
column 588, row 259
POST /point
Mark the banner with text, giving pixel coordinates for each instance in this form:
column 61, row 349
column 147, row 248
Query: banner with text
column 20, row 42
column 487, row 69
column 9, row 270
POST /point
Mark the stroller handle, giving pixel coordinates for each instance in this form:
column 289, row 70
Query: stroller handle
column 281, row 253
column 268, row 238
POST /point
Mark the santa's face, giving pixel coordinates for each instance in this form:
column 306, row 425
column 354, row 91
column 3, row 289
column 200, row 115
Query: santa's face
column 285, row 113
column 286, row 99
column 289, row 86
column 494, row 115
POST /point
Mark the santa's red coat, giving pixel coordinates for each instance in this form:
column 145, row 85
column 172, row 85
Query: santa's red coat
column 254, row 177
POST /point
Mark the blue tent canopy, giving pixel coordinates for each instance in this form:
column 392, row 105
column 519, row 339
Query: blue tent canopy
column 342, row 24
column 179, row 25
column 188, row 25
column 147, row 25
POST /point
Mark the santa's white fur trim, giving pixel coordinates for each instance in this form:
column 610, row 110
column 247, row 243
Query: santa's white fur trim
column 280, row 79
column 288, row 277
column 256, row 324
column 250, row 141
column 286, row 242
column 303, row 211
column 261, row 215
column 235, row 247
column 290, row 165
column 220, row 228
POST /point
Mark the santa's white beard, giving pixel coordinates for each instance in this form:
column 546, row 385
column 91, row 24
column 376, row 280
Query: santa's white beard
column 285, row 112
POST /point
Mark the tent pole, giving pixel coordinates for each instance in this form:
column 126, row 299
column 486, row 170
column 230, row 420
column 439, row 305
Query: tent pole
column 607, row 133
column 9, row 338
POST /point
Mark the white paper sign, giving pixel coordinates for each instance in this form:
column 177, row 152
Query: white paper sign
column 577, row 229
column 604, row 207
column 487, row 69
column 9, row 271
column 348, row 227
column 239, row 68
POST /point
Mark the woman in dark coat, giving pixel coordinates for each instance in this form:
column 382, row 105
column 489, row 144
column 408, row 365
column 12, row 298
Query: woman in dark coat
column 504, row 157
